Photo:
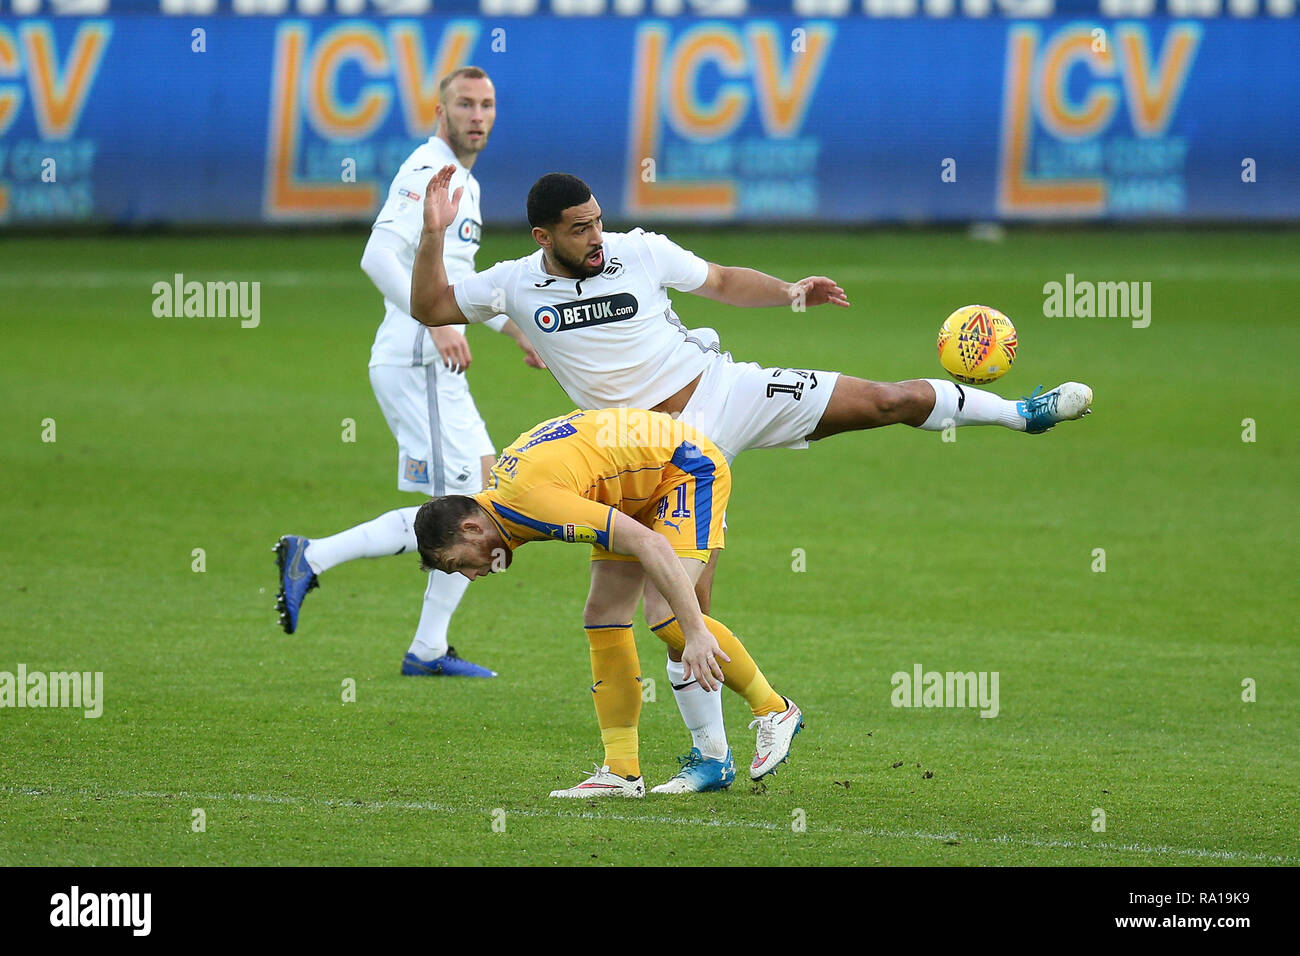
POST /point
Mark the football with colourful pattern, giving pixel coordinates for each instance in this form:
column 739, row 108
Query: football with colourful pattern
column 977, row 345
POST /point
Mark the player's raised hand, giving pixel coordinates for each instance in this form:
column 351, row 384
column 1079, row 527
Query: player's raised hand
column 439, row 208
column 701, row 656
column 818, row 290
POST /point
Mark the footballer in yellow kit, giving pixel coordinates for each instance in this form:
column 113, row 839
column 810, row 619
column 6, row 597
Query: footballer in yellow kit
column 647, row 493
column 587, row 465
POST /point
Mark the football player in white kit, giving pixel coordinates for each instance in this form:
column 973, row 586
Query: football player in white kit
column 596, row 307
column 418, row 377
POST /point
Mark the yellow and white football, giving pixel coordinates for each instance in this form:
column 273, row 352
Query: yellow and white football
column 977, row 345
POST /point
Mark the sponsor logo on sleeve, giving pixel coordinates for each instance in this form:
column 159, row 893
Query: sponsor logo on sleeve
column 579, row 534
column 470, row 231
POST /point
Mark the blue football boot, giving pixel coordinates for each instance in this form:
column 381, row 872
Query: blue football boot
column 296, row 579
column 700, row 774
column 450, row 664
column 1065, row 403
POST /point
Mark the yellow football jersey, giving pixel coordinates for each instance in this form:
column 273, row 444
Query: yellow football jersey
column 564, row 480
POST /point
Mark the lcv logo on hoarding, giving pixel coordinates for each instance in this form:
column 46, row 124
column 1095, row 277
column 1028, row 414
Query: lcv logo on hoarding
column 56, row 86
column 305, row 92
column 764, row 69
column 1119, row 66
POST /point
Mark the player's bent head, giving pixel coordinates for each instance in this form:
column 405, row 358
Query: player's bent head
column 438, row 527
column 551, row 195
column 454, row 535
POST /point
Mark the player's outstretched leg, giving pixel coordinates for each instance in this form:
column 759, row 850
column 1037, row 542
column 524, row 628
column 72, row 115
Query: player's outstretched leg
column 935, row 404
column 776, row 718
column 296, row 579
column 302, row 560
column 963, row 405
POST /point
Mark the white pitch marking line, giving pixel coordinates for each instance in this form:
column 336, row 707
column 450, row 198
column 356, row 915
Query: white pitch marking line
column 1003, row 840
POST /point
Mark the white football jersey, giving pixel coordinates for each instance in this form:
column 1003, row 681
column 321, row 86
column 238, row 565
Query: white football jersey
column 611, row 340
column 401, row 340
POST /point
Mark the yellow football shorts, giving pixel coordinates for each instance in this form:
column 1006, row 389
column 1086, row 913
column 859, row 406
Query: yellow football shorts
column 687, row 506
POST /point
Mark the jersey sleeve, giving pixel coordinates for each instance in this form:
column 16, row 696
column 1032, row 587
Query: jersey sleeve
column 403, row 210
column 483, row 295
column 678, row 268
column 560, row 514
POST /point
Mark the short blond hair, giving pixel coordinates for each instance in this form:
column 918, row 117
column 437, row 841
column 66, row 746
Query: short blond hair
column 469, row 72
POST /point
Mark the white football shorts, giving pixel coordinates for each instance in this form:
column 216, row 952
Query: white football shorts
column 741, row 405
column 440, row 435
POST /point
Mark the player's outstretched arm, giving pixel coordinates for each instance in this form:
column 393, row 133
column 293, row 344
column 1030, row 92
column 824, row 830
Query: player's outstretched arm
column 749, row 288
column 663, row 568
column 432, row 301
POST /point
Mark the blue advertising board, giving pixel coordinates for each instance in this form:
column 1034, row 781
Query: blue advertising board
column 142, row 117
column 884, row 9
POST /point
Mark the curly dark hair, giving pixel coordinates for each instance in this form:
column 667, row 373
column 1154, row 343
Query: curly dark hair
column 551, row 195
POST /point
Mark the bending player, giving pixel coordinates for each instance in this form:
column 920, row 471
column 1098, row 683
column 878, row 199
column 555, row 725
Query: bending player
column 609, row 478
column 595, row 305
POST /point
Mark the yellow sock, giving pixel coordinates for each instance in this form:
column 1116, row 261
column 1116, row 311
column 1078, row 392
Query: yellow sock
column 616, row 692
column 741, row 674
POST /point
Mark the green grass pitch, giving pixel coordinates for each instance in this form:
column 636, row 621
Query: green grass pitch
column 1120, row 691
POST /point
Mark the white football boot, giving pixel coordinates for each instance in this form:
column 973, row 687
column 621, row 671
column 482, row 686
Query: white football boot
column 603, row 783
column 775, row 732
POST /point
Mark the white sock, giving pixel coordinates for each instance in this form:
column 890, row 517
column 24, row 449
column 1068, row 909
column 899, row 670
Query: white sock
column 965, row 405
column 701, row 711
column 440, row 600
column 391, row 533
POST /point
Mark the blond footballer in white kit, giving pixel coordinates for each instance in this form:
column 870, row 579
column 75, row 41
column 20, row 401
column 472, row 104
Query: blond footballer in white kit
column 418, row 376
